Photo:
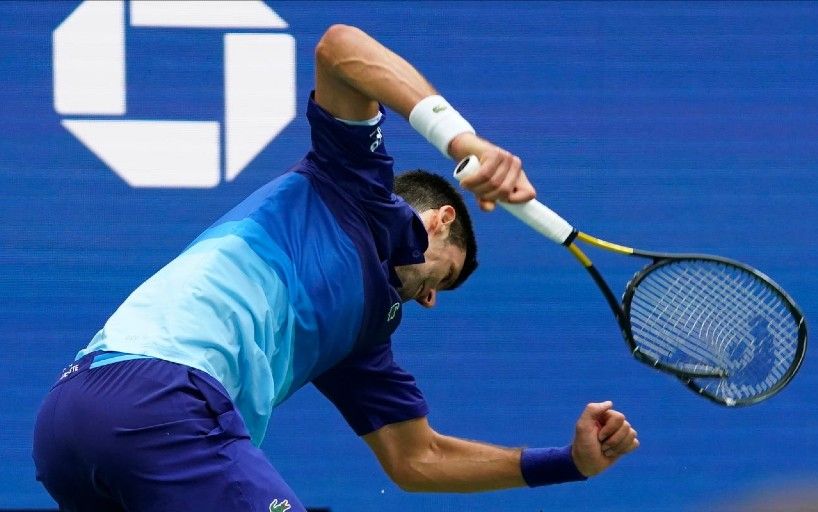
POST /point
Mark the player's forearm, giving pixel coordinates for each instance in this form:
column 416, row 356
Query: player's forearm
column 456, row 465
column 363, row 64
column 419, row 459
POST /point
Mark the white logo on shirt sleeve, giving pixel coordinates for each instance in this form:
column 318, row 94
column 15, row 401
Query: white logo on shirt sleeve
column 378, row 135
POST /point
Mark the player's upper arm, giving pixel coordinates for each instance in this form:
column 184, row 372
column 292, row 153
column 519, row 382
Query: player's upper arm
column 332, row 93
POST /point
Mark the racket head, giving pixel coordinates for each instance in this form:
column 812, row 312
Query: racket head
column 728, row 331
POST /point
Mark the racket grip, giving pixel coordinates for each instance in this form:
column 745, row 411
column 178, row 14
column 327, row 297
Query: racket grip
column 533, row 213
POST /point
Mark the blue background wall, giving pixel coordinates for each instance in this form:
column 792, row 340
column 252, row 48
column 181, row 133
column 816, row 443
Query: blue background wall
column 669, row 126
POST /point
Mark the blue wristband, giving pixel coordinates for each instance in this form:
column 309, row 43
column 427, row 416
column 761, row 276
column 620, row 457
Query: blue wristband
column 544, row 466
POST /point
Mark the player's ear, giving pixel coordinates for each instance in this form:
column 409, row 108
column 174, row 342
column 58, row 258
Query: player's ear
column 447, row 214
column 443, row 219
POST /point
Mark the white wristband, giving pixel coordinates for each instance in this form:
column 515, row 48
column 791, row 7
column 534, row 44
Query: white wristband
column 434, row 118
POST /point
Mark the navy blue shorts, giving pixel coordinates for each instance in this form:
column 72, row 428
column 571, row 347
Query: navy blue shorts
column 150, row 435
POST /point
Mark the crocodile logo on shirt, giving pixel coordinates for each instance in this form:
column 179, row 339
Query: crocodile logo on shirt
column 279, row 506
column 439, row 108
column 392, row 312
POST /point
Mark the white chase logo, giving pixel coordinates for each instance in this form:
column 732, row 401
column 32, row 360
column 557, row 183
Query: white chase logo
column 89, row 83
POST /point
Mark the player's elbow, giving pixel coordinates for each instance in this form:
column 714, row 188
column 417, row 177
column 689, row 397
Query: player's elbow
column 409, row 453
column 331, row 46
column 404, row 476
column 414, row 471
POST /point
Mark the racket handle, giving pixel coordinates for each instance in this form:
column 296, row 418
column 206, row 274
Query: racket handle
column 535, row 214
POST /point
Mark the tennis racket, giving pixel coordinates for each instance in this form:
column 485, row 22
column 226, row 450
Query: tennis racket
column 726, row 330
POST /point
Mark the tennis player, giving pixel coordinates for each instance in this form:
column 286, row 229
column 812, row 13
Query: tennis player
column 302, row 282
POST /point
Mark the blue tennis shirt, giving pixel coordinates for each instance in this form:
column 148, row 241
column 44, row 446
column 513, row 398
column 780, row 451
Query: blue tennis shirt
column 296, row 284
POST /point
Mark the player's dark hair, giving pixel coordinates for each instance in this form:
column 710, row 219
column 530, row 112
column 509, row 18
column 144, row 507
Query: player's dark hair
column 424, row 190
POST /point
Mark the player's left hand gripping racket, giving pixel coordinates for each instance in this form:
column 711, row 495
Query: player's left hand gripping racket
column 725, row 329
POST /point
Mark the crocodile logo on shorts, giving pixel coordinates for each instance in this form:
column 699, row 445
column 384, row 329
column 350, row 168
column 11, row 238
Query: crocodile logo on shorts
column 279, row 506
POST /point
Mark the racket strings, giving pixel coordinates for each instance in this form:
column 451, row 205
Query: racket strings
column 695, row 315
column 678, row 323
column 699, row 314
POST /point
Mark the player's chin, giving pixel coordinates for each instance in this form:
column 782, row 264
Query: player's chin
column 409, row 291
column 404, row 295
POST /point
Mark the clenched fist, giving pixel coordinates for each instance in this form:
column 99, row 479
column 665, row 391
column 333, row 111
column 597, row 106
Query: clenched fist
column 602, row 435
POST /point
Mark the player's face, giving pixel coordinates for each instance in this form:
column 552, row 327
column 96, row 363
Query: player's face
column 443, row 264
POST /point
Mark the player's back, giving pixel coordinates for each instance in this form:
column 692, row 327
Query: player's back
column 264, row 300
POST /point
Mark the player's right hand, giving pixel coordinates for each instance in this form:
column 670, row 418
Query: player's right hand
column 601, row 437
column 500, row 177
